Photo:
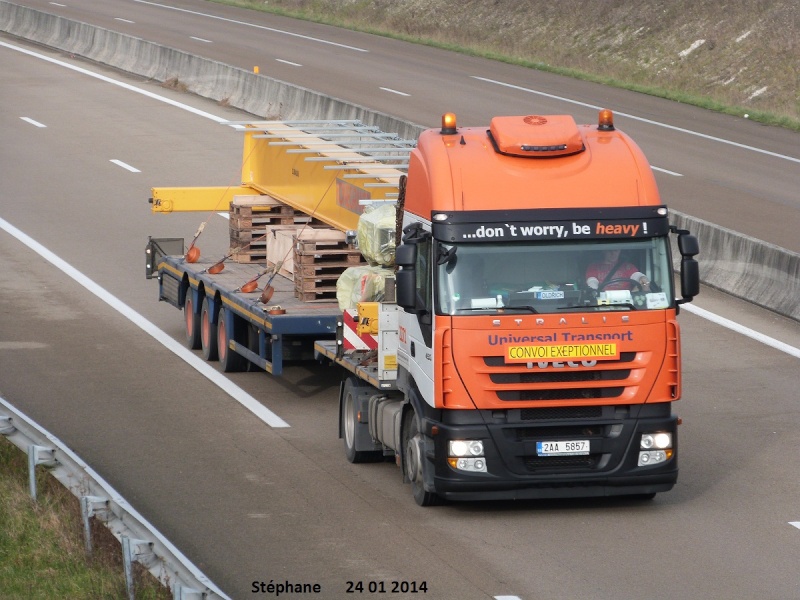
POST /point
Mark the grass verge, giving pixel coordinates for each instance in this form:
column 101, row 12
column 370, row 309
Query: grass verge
column 42, row 554
column 348, row 17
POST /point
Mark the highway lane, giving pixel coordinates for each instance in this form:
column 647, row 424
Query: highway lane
column 247, row 502
column 728, row 179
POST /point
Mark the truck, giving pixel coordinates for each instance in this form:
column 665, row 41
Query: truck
column 498, row 360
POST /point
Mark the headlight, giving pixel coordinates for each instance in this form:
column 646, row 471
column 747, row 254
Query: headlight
column 656, row 441
column 655, row 448
column 460, row 448
column 467, row 455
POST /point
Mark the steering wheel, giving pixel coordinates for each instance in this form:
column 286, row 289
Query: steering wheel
column 636, row 286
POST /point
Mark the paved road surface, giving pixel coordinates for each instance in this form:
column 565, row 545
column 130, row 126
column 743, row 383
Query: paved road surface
column 249, row 503
column 733, row 183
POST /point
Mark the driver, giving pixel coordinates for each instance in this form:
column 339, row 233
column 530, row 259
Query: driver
column 612, row 268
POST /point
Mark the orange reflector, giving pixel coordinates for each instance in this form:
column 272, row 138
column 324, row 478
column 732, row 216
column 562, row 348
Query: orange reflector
column 448, row 124
column 250, row 286
column 217, row 268
column 193, row 255
column 605, row 120
column 453, row 462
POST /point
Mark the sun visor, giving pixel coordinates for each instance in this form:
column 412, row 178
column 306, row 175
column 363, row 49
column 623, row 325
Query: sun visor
column 536, row 136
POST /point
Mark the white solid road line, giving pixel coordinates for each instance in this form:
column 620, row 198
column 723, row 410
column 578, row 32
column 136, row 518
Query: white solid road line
column 209, row 372
column 640, row 119
column 116, row 82
column 738, row 328
column 391, row 91
column 673, row 173
column 693, row 309
column 281, row 31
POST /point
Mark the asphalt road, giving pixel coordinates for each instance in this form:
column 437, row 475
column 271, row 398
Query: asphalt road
column 726, row 170
column 249, row 503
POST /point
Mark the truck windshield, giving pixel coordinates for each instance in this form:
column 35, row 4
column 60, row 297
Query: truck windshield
column 554, row 277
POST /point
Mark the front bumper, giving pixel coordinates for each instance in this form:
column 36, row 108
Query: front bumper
column 515, row 471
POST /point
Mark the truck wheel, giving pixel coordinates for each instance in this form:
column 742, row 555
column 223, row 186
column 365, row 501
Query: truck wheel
column 208, row 332
column 349, row 425
column 192, row 323
column 229, row 361
column 413, row 461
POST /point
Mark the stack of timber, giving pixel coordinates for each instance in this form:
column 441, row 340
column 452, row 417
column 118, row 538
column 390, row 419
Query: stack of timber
column 320, row 257
column 250, row 219
column 301, row 248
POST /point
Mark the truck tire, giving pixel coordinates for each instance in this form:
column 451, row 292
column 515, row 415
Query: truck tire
column 191, row 322
column 414, row 461
column 208, row 332
column 350, row 422
column 229, row 361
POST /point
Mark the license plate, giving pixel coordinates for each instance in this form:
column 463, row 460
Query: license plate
column 562, row 448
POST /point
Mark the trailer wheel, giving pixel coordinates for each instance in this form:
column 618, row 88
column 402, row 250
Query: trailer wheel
column 349, row 425
column 229, row 361
column 413, row 461
column 208, row 332
column 192, row 323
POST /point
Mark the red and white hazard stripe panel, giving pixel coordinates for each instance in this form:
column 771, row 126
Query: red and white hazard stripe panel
column 353, row 341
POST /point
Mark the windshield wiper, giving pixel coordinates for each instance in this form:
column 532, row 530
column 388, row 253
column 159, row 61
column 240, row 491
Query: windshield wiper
column 500, row 308
column 626, row 305
column 520, row 307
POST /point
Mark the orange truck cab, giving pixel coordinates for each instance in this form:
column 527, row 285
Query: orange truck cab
column 538, row 346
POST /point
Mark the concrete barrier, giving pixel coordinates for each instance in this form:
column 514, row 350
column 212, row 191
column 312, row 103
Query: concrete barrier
column 740, row 265
column 257, row 94
column 746, row 267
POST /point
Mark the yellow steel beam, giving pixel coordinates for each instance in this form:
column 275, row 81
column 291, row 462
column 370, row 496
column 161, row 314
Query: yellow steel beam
column 332, row 196
column 180, row 199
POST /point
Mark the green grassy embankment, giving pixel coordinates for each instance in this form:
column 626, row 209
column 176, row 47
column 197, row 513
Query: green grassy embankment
column 42, row 554
column 740, row 57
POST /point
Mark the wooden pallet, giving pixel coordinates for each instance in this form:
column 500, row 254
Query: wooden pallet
column 250, row 219
column 246, row 219
column 318, row 295
column 324, row 270
column 247, row 256
column 318, row 264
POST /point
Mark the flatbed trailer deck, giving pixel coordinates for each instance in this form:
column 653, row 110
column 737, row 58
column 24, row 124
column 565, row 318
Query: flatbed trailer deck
column 264, row 334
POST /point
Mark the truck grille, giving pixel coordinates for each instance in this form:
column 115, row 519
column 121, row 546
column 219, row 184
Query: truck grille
column 515, row 382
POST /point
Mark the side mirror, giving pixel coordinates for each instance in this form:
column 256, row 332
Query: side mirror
column 405, row 255
column 690, row 278
column 688, row 245
column 406, row 278
column 690, row 268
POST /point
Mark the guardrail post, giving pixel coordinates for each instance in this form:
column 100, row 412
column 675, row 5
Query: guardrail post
column 129, row 554
column 88, row 511
column 6, row 426
column 39, row 455
column 184, row 593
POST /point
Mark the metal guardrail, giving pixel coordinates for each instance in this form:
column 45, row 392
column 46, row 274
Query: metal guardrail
column 140, row 541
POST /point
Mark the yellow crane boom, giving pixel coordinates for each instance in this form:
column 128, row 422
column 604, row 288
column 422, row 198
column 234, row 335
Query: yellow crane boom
column 326, row 169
